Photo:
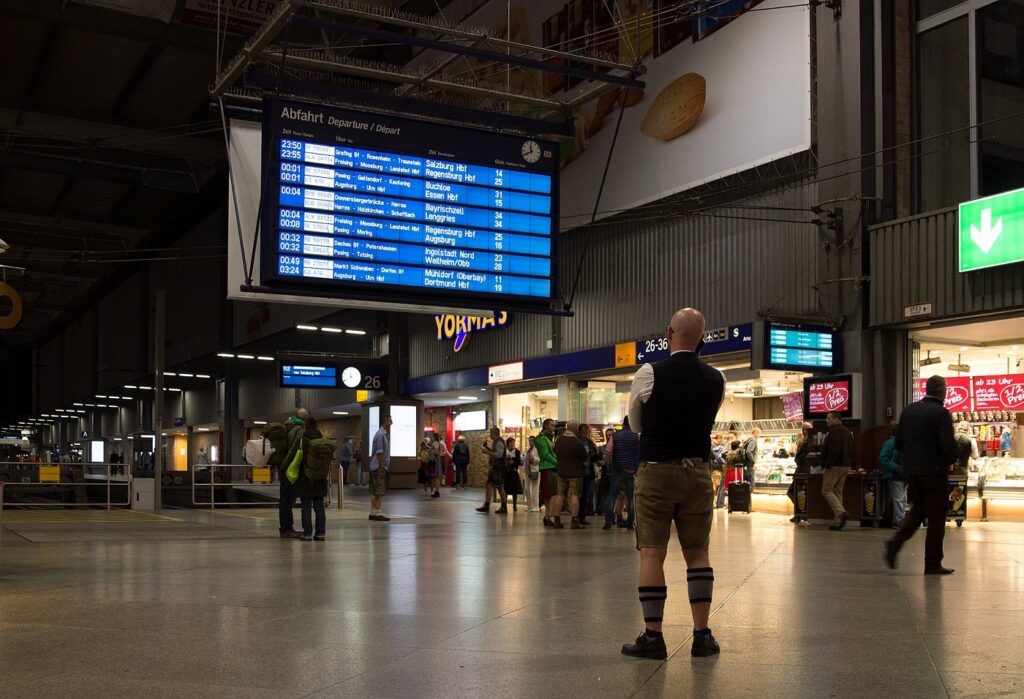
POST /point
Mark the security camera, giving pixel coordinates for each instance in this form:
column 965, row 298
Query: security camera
column 3, row 246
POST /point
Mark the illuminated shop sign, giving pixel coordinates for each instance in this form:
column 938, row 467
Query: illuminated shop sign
column 459, row 328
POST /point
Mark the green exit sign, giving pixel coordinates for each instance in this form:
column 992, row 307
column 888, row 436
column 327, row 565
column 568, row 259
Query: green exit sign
column 992, row 231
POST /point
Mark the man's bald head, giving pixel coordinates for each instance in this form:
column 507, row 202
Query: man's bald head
column 686, row 329
column 302, row 414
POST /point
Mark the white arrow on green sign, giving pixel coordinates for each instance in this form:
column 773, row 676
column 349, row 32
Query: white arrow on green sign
column 992, row 231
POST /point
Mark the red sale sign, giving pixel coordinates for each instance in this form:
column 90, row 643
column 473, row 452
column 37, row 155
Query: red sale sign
column 1000, row 392
column 958, row 393
column 828, row 396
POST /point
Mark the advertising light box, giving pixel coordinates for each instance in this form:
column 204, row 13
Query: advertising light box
column 358, row 204
column 1000, row 392
column 958, row 392
column 832, row 394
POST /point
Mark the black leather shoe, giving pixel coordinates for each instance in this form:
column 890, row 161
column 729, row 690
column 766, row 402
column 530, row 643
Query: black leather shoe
column 290, row 534
column 795, row 519
column 842, row 520
column 704, row 645
column 891, row 549
column 547, row 522
column 646, row 647
column 938, row 571
column 607, row 526
column 486, row 509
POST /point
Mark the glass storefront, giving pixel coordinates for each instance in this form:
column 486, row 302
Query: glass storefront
column 982, row 363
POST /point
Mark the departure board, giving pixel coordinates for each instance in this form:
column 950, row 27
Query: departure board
column 368, row 205
column 800, row 346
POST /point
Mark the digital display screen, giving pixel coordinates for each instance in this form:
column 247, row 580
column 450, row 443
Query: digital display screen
column 403, row 430
column 308, row 376
column 359, row 202
column 373, row 422
column 471, row 420
column 800, row 346
column 829, row 396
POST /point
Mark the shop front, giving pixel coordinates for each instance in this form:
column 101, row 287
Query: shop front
column 961, row 319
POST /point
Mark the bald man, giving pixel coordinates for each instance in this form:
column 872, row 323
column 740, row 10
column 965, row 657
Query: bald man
column 673, row 405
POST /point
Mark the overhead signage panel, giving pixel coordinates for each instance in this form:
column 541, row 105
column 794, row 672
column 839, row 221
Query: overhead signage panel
column 991, row 231
column 359, row 203
column 366, row 376
column 800, row 346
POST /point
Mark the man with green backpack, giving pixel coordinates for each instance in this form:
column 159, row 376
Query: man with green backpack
column 286, row 439
column 313, row 481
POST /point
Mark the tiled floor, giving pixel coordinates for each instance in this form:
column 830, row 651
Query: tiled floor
column 445, row 602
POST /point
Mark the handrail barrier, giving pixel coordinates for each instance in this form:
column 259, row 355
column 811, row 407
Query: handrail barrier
column 208, row 479
column 78, row 480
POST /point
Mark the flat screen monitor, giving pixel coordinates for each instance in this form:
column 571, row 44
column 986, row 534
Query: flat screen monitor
column 403, row 430
column 363, row 205
column 829, row 394
column 471, row 420
column 801, row 347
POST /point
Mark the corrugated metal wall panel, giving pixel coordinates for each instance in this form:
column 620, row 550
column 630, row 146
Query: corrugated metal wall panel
column 525, row 336
column 729, row 263
column 118, row 355
column 915, row 260
column 80, row 357
column 48, row 372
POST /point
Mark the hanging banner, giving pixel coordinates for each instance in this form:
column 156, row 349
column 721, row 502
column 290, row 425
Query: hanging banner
column 999, row 392
column 958, row 393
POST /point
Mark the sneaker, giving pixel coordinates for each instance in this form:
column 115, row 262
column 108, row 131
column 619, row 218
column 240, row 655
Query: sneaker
column 290, row 534
column 795, row 519
column 486, row 509
column 372, row 518
column 704, row 645
column 501, row 510
column 437, row 494
column 305, row 537
column 646, row 647
column 382, row 518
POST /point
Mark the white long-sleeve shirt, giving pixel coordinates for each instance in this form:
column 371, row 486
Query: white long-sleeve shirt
column 640, row 392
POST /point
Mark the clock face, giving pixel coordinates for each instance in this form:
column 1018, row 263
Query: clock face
column 531, row 151
column 351, row 377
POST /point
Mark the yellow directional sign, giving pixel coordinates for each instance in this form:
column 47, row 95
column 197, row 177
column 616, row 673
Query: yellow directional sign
column 261, row 475
column 625, row 354
column 49, row 474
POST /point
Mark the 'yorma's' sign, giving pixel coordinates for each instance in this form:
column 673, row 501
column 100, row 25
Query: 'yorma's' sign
column 460, row 328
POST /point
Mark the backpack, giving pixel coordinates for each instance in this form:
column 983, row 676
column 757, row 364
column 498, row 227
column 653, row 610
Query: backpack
column 277, row 434
column 318, row 458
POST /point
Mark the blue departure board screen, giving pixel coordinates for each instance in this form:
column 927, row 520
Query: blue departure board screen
column 308, row 376
column 800, row 346
column 364, row 204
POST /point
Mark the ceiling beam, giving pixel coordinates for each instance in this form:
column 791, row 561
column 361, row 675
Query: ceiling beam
column 119, row 24
column 60, row 223
column 99, row 135
column 134, row 80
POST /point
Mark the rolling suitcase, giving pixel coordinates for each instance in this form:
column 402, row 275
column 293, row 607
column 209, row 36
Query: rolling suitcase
column 739, row 494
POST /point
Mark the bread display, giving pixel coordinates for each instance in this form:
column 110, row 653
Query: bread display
column 676, row 109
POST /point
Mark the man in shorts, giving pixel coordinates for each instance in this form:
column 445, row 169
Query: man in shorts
column 673, row 405
column 495, row 472
column 572, row 456
column 380, row 462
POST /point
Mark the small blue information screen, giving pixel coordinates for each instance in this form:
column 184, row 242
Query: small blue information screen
column 309, row 376
column 386, row 205
column 800, row 346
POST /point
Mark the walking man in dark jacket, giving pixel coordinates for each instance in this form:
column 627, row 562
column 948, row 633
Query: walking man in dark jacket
column 625, row 463
column 836, row 460
column 924, row 438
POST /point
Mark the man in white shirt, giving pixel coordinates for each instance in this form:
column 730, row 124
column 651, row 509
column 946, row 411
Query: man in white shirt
column 380, row 462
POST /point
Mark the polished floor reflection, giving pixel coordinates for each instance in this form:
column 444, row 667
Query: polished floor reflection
column 446, row 602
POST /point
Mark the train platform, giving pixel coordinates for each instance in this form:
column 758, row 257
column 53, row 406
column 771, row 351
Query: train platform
column 445, row 602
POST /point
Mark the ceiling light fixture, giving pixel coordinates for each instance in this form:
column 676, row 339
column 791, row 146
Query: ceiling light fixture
column 467, row 397
column 132, row 387
column 259, row 422
column 145, row 388
column 202, row 429
column 307, row 327
column 246, row 356
column 340, row 412
column 187, row 376
column 202, row 376
column 330, row 330
column 355, row 332
column 226, row 355
column 264, row 358
column 169, row 373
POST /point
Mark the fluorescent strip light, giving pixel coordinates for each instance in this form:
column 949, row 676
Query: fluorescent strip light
column 246, row 356
column 90, row 405
column 117, row 439
column 265, row 359
column 187, row 376
column 169, row 373
column 340, row 412
column 330, row 330
column 355, row 332
column 101, row 397
column 132, row 387
column 202, row 376
column 145, row 388
column 226, row 355
column 467, row 397
column 307, row 327
column 259, row 422
column 202, row 429
column 77, row 404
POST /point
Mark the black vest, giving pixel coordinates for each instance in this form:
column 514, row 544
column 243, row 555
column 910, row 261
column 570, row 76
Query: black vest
column 678, row 416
